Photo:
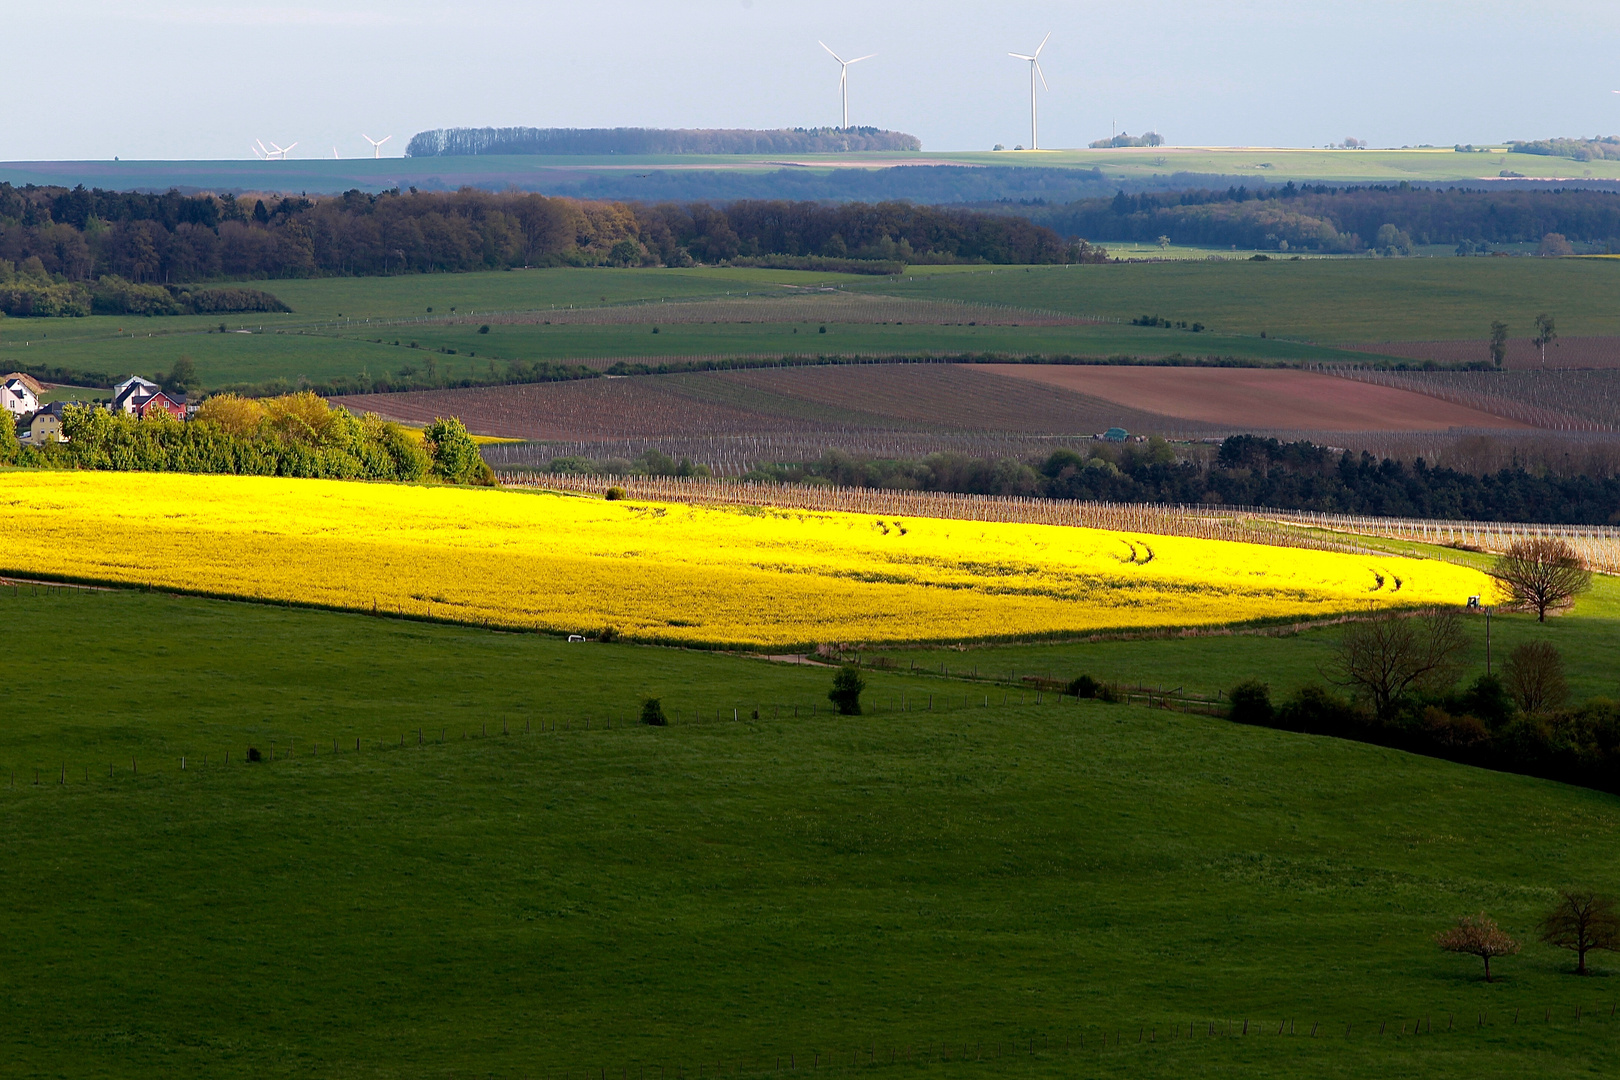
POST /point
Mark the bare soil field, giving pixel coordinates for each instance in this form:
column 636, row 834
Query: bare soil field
column 921, row 398
column 949, row 397
column 1522, row 354
column 1258, row 399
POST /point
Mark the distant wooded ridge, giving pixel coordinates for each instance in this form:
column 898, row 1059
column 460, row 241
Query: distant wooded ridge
column 51, row 237
column 1598, row 149
column 1319, row 218
column 454, row 142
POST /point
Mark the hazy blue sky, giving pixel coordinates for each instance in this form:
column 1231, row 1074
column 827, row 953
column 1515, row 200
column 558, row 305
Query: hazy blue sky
column 203, row 78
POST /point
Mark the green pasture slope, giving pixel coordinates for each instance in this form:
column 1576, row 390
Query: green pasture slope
column 1328, row 301
column 960, row 886
column 1305, row 308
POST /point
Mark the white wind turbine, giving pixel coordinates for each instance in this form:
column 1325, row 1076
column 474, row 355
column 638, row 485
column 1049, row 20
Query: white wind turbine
column 1034, row 70
column 376, row 144
column 272, row 152
column 843, row 75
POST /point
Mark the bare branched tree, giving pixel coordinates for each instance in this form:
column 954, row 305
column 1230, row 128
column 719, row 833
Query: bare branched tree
column 1542, row 572
column 1581, row 922
column 1535, row 677
column 1477, row 935
column 1389, row 656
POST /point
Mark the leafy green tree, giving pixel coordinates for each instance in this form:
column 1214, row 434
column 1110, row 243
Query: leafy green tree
column 454, row 454
column 1393, row 241
column 9, row 446
column 1499, row 339
column 652, row 713
column 182, row 378
column 1546, row 334
column 846, row 691
column 625, row 253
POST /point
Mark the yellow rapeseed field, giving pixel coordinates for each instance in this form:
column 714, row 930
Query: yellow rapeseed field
column 714, row 575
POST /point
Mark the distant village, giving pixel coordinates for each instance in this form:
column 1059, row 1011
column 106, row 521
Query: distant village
column 39, row 422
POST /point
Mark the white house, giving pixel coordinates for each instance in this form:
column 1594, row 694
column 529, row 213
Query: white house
column 130, row 392
column 18, row 398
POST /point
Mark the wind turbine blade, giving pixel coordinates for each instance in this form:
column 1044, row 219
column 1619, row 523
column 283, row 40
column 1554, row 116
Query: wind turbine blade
column 1044, row 40
column 335, row 153
column 830, row 53
column 257, row 152
column 1021, row 56
column 1042, row 74
column 289, row 147
column 384, row 139
column 858, row 59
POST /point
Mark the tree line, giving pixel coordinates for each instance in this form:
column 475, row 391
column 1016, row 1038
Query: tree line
column 1338, row 219
column 33, row 291
column 447, row 142
column 295, row 435
column 1599, row 149
column 1246, row 471
column 82, row 236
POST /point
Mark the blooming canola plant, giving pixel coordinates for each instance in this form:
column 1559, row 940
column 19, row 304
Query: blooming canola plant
column 703, row 575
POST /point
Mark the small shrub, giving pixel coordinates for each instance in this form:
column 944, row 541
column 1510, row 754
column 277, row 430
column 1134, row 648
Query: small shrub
column 1251, row 703
column 846, row 691
column 608, row 634
column 614, row 494
column 484, row 329
column 254, row 755
column 1083, row 687
column 652, row 713
column 1455, row 732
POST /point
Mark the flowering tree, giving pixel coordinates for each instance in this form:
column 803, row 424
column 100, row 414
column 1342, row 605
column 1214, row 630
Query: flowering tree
column 1477, row 935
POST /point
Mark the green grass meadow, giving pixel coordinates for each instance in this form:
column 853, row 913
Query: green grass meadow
column 1305, row 309
column 519, row 900
column 1328, row 301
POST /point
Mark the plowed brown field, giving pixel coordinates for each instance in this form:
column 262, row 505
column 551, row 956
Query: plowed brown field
column 1258, row 398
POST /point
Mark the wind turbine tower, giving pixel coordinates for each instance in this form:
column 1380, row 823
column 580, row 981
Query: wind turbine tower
column 1034, row 71
column 843, row 76
column 376, row 144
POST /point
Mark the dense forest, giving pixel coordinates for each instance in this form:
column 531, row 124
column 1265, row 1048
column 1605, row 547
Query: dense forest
column 1328, row 219
column 85, row 235
column 1247, row 471
column 446, row 142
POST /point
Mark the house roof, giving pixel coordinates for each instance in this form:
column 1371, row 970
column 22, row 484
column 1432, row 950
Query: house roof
column 27, row 380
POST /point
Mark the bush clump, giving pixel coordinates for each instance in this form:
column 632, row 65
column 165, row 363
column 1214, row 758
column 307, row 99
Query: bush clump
column 1083, row 687
column 1251, row 703
column 846, row 691
column 652, row 713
